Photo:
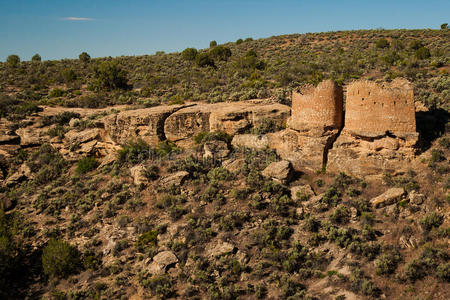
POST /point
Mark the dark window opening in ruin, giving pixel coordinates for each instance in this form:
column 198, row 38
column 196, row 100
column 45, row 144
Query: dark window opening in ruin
column 382, row 104
column 406, row 101
column 394, row 102
column 362, row 98
column 374, row 102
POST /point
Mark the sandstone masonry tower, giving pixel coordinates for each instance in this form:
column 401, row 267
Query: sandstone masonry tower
column 319, row 107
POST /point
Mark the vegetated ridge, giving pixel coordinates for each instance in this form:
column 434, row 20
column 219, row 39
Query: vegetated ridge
column 119, row 181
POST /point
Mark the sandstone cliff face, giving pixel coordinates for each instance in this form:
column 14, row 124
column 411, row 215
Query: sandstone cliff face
column 232, row 118
column 147, row 124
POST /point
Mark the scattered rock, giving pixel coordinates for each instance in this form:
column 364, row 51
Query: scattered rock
column 110, row 246
column 416, row 198
column 74, row 122
column 109, row 159
column 298, row 191
column 222, row 249
column 252, row 141
column 280, row 171
column 88, row 147
column 233, row 165
column 174, row 179
column 136, row 173
column 165, row 259
column 31, row 136
column 216, row 149
column 391, row 196
column 75, row 136
column 23, row 173
column 408, row 242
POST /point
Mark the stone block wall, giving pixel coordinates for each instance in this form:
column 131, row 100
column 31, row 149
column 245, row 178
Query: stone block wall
column 317, row 107
column 373, row 109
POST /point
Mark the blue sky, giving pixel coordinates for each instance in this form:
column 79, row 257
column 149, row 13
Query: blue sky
column 63, row 29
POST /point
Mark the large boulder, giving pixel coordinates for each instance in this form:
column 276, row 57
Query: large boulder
column 146, row 123
column 389, row 197
column 174, row 179
column 222, row 248
column 162, row 261
column 23, row 173
column 252, row 141
column 280, row 171
column 33, row 136
column 137, row 174
column 299, row 192
column 75, row 136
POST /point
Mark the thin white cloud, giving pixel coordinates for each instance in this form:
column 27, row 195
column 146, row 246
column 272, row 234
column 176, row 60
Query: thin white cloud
column 77, row 19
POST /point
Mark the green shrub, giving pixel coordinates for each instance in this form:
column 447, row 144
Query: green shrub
column 220, row 53
column 239, row 41
column 387, row 263
column 36, row 58
column 135, row 151
column 219, row 174
column 189, row 54
column 383, row 43
column 341, row 215
column 147, row 240
column 13, row 60
column 109, row 76
column 86, row 164
column 160, row 285
column 167, row 147
column 312, row 224
column 204, row 60
column 56, row 93
column 151, row 172
column 416, row 45
column 212, row 44
column 423, row 53
column 60, row 259
column 443, row 271
column 205, row 136
column 84, row 57
column 432, row 220
column 265, row 126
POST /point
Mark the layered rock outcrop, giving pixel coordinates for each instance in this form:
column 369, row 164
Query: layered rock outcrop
column 232, row 118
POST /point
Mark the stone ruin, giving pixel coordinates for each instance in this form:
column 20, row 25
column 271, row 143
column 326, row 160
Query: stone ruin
column 380, row 128
column 317, row 116
column 377, row 134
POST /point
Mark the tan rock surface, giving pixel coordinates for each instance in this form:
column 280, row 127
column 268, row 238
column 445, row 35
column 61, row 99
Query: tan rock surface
column 389, row 197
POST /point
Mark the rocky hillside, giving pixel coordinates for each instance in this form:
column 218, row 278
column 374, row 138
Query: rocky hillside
column 107, row 191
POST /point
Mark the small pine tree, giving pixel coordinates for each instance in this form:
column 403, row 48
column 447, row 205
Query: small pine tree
column 13, row 60
column 189, row 54
column 84, row 58
column 204, row 60
column 60, row 259
column 36, row 58
column 212, row 44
